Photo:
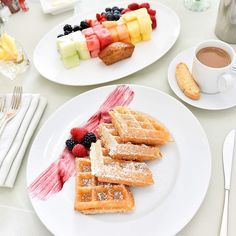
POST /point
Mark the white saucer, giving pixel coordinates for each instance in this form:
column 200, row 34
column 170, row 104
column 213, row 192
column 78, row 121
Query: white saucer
column 219, row 101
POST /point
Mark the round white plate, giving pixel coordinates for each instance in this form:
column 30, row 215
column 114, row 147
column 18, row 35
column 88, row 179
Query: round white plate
column 218, row 101
column 163, row 208
column 90, row 72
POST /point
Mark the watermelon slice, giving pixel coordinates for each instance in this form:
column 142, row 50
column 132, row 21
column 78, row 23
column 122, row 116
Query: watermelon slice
column 94, row 53
column 104, row 37
column 87, row 32
column 93, row 43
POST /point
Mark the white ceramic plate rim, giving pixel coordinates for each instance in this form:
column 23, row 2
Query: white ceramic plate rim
column 198, row 103
column 180, row 217
column 114, row 76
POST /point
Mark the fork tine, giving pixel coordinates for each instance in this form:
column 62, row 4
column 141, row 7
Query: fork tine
column 18, row 97
column 13, row 99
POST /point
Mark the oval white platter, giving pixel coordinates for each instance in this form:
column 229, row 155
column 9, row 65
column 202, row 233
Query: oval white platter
column 91, row 72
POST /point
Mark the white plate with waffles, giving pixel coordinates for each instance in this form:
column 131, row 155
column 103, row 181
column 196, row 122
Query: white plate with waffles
column 90, row 72
column 160, row 209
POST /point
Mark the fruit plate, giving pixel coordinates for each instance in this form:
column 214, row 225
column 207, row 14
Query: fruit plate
column 47, row 60
column 163, row 208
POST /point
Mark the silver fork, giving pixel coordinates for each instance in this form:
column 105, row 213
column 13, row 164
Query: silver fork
column 13, row 109
column 233, row 68
column 2, row 106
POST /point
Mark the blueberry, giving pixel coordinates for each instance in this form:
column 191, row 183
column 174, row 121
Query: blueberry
column 115, row 8
column 76, row 28
column 84, row 25
column 116, row 12
column 68, row 28
column 116, row 17
column 110, row 17
column 103, row 13
column 60, row 35
column 108, row 9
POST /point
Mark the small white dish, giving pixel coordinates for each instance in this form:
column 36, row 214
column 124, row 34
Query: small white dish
column 217, row 101
column 57, row 6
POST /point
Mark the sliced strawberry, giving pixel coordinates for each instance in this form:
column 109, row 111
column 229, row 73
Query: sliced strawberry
column 144, row 5
column 151, row 12
column 133, row 6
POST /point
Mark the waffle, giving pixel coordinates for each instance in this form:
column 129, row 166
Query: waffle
column 94, row 197
column 127, row 151
column 109, row 170
column 137, row 127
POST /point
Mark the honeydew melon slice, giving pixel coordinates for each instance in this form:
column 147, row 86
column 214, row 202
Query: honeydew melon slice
column 65, row 38
column 70, row 62
column 67, row 49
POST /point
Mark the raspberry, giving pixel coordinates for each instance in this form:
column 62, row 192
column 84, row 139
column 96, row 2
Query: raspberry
column 151, row 12
column 89, row 138
column 79, row 151
column 154, row 22
column 144, row 5
column 125, row 11
column 70, row 143
column 78, row 134
column 133, row 6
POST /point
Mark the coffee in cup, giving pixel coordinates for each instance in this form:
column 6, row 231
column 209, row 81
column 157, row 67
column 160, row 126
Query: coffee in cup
column 212, row 66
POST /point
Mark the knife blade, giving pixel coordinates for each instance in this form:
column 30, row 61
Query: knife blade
column 228, row 153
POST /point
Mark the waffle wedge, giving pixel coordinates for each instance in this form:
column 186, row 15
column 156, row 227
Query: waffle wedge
column 94, row 197
column 137, row 127
column 109, row 170
column 127, row 151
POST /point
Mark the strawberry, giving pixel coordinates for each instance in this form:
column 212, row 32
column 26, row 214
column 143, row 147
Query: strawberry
column 133, row 6
column 144, row 5
column 79, row 151
column 154, row 22
column 125, row 11
column 78, row 134
column 151, row 12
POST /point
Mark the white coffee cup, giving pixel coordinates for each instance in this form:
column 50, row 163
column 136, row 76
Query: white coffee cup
column 211, row 79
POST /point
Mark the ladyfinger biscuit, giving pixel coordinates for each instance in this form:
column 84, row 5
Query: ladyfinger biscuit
column 186, row 81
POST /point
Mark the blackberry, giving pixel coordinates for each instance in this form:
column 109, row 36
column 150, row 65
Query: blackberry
column 84, row 25
column 88, row 139
column 76, row 28
column 70, row 143
column 60, row 35
column 68, row 28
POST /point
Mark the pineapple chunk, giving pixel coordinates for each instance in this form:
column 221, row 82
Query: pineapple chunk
column 146, row 37
column 142, row 12
column 136, row 39
column 8, row 48
column 130, row 16
column 67, row 49
column 145, row 24
column 71, row 61
column 133, row 28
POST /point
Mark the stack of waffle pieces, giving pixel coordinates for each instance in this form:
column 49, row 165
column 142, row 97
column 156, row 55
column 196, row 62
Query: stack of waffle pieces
column 116, row 161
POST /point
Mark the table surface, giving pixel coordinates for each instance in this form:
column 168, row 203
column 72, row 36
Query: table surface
column 17, row 216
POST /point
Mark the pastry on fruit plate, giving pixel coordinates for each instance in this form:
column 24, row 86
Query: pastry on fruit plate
column 116, row 52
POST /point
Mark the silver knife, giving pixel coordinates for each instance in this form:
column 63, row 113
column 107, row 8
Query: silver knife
column 228, row 153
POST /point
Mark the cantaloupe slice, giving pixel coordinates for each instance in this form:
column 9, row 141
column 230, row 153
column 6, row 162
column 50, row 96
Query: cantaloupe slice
column 109, row 24
column 122, row 32
column 114, row 34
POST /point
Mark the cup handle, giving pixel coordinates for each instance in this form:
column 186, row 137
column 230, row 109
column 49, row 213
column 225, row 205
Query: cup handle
column 226, row 81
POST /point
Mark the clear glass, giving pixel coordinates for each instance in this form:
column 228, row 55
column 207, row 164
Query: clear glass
column 197, row 5
column 11, row 69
